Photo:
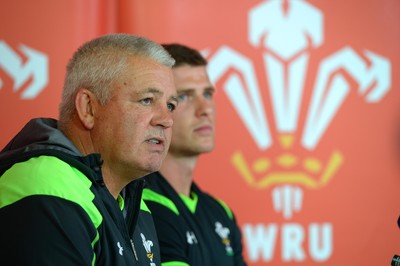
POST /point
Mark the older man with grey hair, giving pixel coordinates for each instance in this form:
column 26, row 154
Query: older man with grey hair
column 71, row 189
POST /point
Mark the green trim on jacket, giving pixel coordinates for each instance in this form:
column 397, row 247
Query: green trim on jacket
column 53, row 177
column 150, row 195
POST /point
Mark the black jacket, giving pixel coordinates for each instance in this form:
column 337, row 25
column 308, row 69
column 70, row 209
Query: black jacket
column 195, row 231
column 56, row 210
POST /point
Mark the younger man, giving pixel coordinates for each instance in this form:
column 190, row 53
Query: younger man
column 193, row 227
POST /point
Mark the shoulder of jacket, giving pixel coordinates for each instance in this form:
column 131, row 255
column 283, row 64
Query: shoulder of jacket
column 151, row 195
column 225, row 207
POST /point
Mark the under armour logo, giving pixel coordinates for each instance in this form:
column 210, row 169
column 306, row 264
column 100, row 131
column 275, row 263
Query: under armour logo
column 121, row 249
column 191, row 238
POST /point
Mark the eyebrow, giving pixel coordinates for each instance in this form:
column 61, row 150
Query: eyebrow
column 188, row 90
column 152, row 90
column 210, row 89
column 185, row 90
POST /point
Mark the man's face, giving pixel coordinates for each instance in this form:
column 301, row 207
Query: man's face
column 133, row 130
column 193, row 129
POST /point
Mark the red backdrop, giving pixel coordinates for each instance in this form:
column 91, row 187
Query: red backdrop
column 307, row 109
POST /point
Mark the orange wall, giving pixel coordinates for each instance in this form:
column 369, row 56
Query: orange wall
column 308, row 109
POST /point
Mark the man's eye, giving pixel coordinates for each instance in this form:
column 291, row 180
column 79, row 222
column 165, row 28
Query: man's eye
column 146, row 101
column 182, row 97
column 171, row 107
column 208, row 95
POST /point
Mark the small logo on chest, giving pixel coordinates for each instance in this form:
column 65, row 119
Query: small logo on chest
column 191, row 238
column 147, row 245
column 120, row 248
column 223, row 233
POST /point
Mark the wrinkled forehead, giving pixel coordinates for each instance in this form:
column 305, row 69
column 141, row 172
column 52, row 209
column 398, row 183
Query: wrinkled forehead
column 146, row 74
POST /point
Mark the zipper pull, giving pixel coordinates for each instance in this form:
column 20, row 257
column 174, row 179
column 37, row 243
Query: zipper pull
column 134, row 250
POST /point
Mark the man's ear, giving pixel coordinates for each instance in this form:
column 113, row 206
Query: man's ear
column 85, row 103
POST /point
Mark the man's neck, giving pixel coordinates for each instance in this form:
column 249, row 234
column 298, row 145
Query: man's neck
column 179, row 172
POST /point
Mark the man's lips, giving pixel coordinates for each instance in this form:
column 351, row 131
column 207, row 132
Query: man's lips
column 205, row 129
column 156, row 144
column 155, row 141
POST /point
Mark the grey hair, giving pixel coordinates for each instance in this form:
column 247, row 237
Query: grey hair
column 100, row 62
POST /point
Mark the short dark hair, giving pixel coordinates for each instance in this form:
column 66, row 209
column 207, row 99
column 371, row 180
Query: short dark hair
column 185, row 55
